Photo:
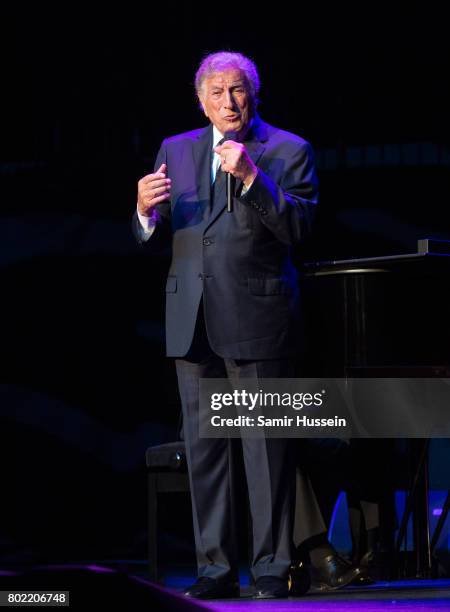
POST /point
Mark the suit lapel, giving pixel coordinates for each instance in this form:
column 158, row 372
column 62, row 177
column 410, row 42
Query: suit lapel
column 255, row 149
column 201, row 152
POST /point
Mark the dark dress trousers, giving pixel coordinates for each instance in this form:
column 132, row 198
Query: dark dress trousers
column 232, row 312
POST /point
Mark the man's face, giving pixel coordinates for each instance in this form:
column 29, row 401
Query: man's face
column 226, row 101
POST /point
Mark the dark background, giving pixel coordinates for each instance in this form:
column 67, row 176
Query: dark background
column 87, row 98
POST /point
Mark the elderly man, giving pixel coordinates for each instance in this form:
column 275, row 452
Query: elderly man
column 232, row 305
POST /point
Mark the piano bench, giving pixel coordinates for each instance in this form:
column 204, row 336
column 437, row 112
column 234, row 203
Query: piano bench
column 166, row 473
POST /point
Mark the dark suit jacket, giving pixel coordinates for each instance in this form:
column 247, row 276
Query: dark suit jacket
column 240, row 262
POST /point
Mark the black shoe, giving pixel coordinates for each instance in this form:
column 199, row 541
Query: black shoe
column 209, row 588
column 363, row 579
column 333, row 573
column 372, row 567
column 299, row 579
column 270, row 587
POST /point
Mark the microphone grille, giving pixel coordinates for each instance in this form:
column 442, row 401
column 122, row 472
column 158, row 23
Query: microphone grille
column 231, row 135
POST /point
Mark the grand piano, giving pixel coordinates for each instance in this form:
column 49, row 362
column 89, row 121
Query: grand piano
column 385, row 317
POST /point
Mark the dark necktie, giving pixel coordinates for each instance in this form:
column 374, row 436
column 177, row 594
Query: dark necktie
column 218, row 187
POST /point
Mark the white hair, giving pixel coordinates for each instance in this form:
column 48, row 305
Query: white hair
column 224, row 60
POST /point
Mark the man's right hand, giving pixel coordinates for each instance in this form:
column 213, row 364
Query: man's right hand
column 153, row 189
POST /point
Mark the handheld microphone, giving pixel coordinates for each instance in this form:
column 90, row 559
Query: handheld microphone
column 231, row 181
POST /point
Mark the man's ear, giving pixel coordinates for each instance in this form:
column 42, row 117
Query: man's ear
column 202, row 106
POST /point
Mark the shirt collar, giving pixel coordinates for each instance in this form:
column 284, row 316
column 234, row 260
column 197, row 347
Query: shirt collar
column 217, row 136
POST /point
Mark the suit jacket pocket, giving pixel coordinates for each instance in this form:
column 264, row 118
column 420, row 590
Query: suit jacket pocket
column 171, row 284
column 269, row 286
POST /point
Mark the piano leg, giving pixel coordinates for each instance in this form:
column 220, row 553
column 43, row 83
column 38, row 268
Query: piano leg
column 417, row 506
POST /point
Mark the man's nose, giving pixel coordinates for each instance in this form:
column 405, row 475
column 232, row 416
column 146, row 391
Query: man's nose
column 229, row 100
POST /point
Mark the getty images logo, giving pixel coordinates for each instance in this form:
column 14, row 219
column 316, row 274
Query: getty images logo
column 243, row 398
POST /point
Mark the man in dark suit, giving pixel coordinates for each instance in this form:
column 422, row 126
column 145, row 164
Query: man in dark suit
column 232, row 304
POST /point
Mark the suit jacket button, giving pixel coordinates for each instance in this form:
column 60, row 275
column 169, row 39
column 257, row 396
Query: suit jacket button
column 207, row 241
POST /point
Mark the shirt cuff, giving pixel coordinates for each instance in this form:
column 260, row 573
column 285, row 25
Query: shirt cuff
column 245, row 188
column 148, row 223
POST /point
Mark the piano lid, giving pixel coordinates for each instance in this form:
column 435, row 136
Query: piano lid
column 429, row 250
